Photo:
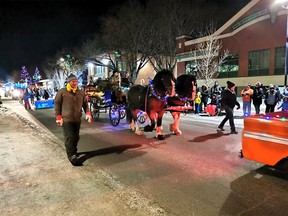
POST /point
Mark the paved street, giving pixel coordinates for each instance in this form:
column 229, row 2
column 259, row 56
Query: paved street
column 198, row 173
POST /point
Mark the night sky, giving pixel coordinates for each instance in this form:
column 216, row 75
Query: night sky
column 31, row 30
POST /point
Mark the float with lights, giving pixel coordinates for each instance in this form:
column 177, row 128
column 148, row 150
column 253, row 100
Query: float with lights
column 265, row 138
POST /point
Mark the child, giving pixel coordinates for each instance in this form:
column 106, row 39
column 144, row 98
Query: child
column 197, row 103
column 284, row 104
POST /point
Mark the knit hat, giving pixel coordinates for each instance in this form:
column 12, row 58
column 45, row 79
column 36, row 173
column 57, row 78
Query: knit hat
column 71, row 77
column 115, row 71
column 230, row 84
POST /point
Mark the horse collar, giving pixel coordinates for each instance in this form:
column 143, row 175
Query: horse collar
column 184, row 99
column 155, row 94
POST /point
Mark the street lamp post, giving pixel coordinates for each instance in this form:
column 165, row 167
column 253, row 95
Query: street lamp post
column 286, row 50
column 284, row 4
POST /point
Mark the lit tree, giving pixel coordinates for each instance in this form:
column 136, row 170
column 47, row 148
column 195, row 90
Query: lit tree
column 25, row 77
column 36, row 76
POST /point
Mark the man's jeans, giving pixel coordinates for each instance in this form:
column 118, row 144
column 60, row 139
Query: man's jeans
column 247, row 108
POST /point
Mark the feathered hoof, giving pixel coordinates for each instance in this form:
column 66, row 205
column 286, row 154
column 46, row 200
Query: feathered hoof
column 148, row 128
column 172, row 128
column 132, row 129
column 139, row 133
column 177, row 132
column 160, row 137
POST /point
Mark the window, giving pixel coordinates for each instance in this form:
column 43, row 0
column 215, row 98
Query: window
column 99, row 70
column 259, row 62
column 122, row 66
column 230, row 67
column 279, row 65
column 191, row 67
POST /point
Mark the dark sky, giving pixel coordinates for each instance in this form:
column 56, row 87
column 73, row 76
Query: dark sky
column 31, row 30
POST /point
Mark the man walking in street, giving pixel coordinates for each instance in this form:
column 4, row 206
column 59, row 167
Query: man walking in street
column 68, row 103
column 228, row 103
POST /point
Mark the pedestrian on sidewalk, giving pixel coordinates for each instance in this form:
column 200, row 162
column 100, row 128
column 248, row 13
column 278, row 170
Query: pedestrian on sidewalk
column 26, row 97
column 271, row 99
column 215, row 90
column 69, row 102
column 46, row 95
column 228, row 102
column 257, row 97
column 284, row 104
column 204, row 97
column 247, row 94
column 197, row 103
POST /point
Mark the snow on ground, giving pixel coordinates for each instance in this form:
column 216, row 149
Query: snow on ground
column 37, row 179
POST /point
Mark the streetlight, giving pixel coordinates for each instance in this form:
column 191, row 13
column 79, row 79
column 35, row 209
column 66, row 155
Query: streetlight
column 285, row 6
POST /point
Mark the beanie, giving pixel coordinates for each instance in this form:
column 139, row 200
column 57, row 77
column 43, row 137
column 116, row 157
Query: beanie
column 115, row 71
column 230, row 84
column 71, row 77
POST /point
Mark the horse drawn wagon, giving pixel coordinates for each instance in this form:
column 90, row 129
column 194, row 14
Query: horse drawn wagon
column 103, row 99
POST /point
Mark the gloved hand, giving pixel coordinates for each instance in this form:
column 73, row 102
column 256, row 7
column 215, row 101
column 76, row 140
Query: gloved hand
column 88, row 117
column 59, row 120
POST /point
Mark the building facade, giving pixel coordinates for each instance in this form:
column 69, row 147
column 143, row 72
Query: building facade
column 104, row 71
column 255, row 38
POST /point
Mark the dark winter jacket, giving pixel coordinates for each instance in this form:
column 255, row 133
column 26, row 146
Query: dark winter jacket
column 257, row 95
column 69, row 105
column 271, row 98
column 229, row 99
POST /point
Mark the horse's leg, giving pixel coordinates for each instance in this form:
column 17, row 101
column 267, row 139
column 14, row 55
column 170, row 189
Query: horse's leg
column 159, row 129
column 175, row 126
column 134, row 123
column 152, row 117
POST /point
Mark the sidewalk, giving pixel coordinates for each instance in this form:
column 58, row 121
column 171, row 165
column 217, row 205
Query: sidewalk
column 36, row 178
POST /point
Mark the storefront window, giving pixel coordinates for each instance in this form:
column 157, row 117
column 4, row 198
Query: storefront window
column 259, row 62
column 279, row 60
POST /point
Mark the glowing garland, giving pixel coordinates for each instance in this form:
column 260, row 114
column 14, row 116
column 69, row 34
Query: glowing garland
column 154, row 93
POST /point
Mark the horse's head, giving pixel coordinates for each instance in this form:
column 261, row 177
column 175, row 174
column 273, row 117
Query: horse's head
column 164, row 83
column 186, row 86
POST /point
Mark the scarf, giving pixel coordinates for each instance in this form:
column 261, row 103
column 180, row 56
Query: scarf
column 69, row 88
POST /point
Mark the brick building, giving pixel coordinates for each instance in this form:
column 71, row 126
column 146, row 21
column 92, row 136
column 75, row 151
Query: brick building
column 255, row 39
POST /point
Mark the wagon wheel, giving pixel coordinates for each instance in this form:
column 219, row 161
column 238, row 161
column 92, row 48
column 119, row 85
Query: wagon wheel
column 142, row 117
column 114, row 114
column 122, row 112
column 95, row 112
